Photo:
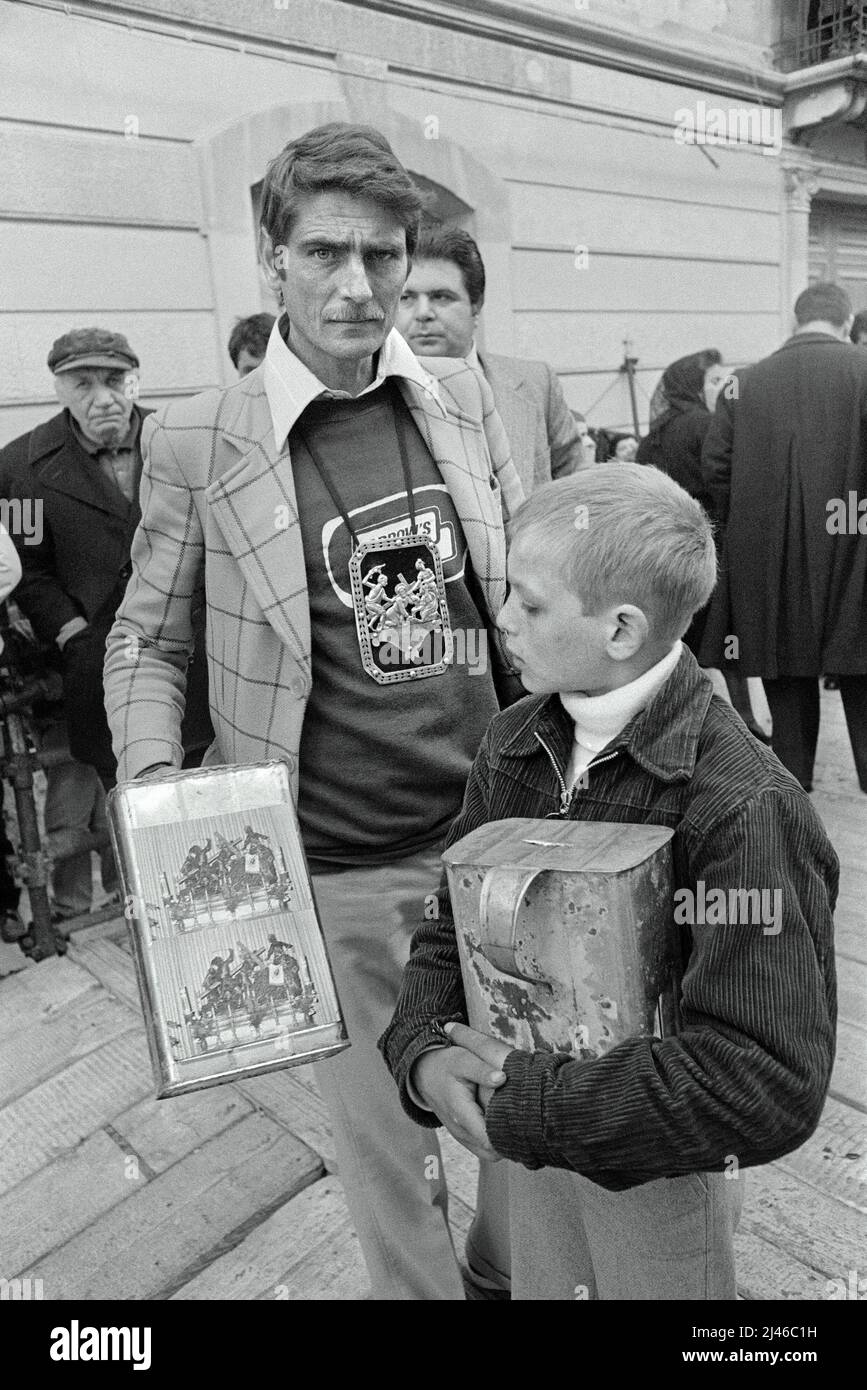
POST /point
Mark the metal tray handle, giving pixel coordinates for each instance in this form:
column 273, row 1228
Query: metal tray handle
column 500, row 898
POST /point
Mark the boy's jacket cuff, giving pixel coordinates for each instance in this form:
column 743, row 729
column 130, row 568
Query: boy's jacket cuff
column 513, row 1119
column 401, row 1056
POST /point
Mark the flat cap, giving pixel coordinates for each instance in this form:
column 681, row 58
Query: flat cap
column 90, row 347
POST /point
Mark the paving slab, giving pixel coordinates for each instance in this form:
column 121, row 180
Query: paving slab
column 175, row 1225
column 42, row 1049
column 162, row 1132
column 292, row 1249
column 764, row 1271
column 834, row 1159
column 111, row 965
column 287, row 1099
column 60, row 1200
column 796, row 1218
column 60, row 1112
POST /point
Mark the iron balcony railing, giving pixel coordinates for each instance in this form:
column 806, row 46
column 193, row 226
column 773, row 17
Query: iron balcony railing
column 827, row 29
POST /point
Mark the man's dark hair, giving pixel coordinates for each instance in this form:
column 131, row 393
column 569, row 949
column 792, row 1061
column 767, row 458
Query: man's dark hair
column 825, row 301
column 454, row 244
column 253, row 334
column 344, row 158
column 859, row 325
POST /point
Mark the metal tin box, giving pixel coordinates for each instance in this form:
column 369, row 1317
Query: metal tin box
column 230, row 957
column 566, row 932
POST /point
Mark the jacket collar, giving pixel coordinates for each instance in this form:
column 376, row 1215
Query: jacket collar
column 54, row 435
column 798, row 340
column 247, row 493
column 70, row 469
column 662, row 738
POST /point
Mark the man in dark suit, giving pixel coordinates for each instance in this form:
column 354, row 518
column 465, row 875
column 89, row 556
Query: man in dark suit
column 438, row 316
column 785, row 462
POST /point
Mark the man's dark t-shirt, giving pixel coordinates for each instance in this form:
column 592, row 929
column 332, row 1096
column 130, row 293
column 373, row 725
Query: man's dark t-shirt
column 382, row 767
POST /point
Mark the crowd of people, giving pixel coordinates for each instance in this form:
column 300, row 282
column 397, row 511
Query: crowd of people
column 367, row 413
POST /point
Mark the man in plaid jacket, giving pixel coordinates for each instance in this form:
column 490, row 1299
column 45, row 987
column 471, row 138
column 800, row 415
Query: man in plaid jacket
column 340, row 438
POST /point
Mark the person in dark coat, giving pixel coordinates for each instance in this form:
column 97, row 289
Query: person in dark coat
column 784, row 460
column 81, row 471
column 858, row 331
column 680, row 416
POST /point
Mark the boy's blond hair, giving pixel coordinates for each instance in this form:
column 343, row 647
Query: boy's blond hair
column 626, row 533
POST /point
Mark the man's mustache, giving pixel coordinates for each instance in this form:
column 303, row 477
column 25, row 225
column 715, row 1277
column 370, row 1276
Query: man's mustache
column 361, row 316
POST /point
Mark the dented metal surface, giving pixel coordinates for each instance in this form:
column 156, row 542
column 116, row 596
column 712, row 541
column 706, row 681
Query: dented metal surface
column 565, row 931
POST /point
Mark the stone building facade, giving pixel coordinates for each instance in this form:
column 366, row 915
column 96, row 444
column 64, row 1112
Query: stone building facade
column 665, row 173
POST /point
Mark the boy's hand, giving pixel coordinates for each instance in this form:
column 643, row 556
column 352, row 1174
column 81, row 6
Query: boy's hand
column 446, row 1079
column 483, row 1046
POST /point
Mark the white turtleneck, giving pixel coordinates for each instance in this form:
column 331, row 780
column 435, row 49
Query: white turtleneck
column 599, row 718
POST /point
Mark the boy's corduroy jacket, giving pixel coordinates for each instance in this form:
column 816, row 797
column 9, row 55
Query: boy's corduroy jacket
column 747, row 1075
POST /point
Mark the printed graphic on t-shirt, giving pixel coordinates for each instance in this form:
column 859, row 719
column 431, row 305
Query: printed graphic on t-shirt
column 388, row 519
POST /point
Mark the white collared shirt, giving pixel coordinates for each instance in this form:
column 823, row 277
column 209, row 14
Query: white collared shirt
column 290, row 386
column 599, row 718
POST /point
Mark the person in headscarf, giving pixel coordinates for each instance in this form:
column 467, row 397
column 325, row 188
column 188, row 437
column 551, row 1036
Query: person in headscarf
column 680, row 414
column 858, row 331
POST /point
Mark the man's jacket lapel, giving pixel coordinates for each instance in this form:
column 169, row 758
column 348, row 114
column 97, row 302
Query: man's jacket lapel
column 254, row 503
column 72, row 470
column 458, row 446
column 518, row 411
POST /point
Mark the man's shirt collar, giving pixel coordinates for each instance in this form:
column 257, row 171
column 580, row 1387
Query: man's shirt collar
column 473, row 359
column 290, row 386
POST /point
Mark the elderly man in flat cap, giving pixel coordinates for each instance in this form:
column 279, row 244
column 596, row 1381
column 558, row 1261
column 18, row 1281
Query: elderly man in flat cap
column 81, row 470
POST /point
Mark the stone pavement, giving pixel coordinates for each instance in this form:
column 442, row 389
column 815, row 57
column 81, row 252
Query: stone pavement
column 232, row 1193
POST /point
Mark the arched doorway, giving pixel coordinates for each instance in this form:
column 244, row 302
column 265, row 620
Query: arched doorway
column 232, row 163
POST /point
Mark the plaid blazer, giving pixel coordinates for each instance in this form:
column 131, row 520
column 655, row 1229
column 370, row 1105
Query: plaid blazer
column 218, row 495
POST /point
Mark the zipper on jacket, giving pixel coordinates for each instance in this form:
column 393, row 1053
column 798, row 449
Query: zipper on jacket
column 567, row 794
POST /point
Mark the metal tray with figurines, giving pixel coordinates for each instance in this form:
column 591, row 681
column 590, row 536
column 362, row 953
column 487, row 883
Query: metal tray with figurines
column 231, row 961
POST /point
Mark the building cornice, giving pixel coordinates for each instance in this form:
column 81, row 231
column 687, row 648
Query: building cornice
column 573, row 38
column 826, row 95
column 592, row 41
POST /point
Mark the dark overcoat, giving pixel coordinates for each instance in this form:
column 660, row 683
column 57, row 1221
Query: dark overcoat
column 81, row 558
column 677, row 450
column 78, row 566
column 787, row 444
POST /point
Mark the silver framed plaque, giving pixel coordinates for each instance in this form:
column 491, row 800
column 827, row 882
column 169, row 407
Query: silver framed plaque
column 232, row 965
column 401, row 612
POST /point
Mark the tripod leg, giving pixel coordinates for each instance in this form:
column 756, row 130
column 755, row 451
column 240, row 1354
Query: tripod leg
column 46, row 941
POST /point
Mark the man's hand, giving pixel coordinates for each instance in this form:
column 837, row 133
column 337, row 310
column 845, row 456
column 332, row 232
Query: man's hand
column 483, row 1046
column 155, row 772
column 446, row 1079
